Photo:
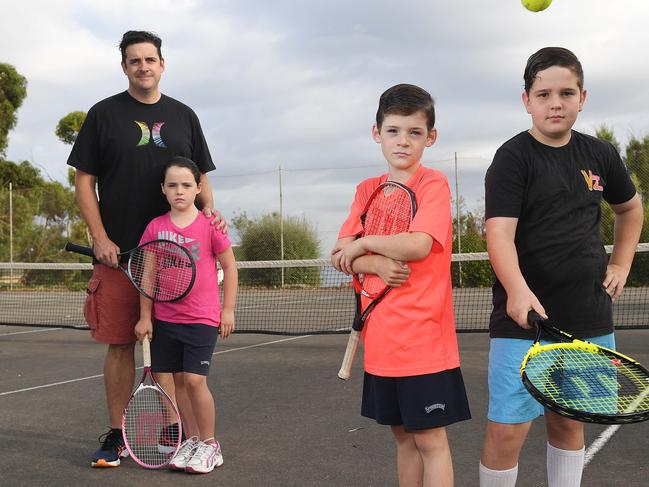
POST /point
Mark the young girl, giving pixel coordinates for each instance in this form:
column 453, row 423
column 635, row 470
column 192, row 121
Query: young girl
column 183, row 333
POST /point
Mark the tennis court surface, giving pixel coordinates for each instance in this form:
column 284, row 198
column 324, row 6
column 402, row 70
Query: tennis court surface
column 284, row 418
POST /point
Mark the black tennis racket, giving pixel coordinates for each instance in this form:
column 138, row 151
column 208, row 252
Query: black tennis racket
column 150, row 412
column 161, row 270
column 584, row 381
column 388, row 211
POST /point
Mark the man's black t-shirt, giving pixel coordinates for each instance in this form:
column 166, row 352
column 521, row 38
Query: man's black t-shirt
column 125, row 143
column 555, row 192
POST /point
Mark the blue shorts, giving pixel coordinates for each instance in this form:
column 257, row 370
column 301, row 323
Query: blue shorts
column 509, row 401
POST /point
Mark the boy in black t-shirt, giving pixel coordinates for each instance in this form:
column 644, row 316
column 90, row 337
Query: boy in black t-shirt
column 542, row 193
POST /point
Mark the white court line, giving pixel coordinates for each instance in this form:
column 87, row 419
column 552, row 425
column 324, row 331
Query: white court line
column 608, row 433
column 30, row 331
column 599, row 443
column 53, row 384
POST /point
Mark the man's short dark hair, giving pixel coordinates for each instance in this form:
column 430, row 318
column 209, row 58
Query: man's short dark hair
column 137, row 37
column 406, row 100
column 552, row 56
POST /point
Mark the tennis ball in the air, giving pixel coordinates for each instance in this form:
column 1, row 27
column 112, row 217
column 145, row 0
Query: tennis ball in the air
column 536, row 5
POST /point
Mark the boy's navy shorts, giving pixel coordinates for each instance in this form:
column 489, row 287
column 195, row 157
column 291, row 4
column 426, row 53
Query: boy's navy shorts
column 416, row 402
column 182, row 347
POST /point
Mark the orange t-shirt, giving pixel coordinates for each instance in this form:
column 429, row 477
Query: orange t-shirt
column 412, row 331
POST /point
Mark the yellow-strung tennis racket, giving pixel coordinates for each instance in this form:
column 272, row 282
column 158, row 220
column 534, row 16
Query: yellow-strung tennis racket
column 584, row 381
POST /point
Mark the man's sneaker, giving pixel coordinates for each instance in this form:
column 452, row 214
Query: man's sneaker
column 112, row 448
column 168, row 438
column 206, row 457
column 185, row 452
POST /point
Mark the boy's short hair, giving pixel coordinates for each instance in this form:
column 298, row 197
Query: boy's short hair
column 180, row 161
column 137, row 37
column 404, row 99
column 552, row 56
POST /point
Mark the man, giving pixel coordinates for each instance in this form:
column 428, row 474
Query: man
column 121, row 148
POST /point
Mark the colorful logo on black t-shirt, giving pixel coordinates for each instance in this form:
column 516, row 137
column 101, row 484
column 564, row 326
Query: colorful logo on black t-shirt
column 592, row 180
column 146, row 134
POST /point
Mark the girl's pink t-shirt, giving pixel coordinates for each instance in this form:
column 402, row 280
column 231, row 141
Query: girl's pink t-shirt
column 204, row 242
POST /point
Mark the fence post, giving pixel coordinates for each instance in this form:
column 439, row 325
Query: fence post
column 459, row 219
column 281, row 223
column 11, row 236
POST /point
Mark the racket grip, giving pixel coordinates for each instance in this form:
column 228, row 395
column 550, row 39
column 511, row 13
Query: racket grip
column 146, row 352
column 79, row 249
column 533, row 317
column 348, row 360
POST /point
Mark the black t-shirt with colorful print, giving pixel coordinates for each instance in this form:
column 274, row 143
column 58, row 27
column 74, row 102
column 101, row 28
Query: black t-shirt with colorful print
column 555, row 193
column 125, row 143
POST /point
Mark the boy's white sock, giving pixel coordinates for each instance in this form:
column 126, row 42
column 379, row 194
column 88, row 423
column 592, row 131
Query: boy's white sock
column 498, row 478
column 564, row 467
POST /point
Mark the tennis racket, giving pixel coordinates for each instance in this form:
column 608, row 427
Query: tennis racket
column 149, row 413
column 583, row 381
column 161, row 270
column 388, row 211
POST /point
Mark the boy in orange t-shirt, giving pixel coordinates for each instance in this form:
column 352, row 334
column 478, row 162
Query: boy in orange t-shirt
column 412, row 379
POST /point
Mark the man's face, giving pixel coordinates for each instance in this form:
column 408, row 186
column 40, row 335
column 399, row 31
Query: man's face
column 143, row 68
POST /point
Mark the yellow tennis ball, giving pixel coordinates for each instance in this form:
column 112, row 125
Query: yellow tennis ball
column 536, row 5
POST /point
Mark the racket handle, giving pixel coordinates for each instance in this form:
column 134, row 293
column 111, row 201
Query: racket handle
column 146, row 352
column 533, row 318
column 348, row 360
column 79, row 249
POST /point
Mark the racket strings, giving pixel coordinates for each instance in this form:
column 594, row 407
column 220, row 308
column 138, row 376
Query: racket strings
column 596, row 383
column 162, row 270
column 389, row 213
column 148, row 427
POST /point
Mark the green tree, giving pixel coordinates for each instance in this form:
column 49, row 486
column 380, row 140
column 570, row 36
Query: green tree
column 68, row 127
column 603, row 132
column 260, row 239
column 67, row 130
column 468, row 237
column 637, row 162
column 607, row 222
column 44, row 215
column 21, row 175
column 13, row 90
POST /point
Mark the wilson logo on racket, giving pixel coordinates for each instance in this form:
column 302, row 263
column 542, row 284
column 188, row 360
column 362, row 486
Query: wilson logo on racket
column 584, row 381
column 146, row 425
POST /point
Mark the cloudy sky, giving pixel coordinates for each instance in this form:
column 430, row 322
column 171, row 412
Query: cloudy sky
column 296, row 83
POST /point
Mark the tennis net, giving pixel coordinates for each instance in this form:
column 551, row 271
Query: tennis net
column 284, row 297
